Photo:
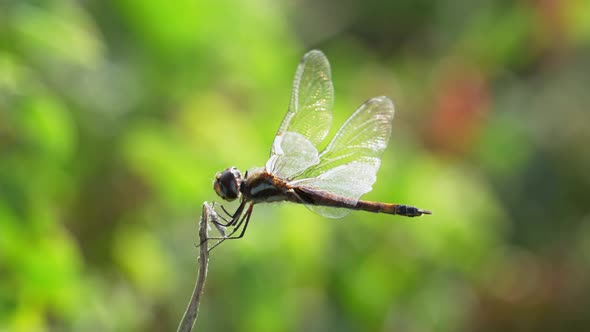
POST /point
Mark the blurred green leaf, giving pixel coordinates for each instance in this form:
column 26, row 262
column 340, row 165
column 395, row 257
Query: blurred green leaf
column 59, row 31
column 45, row 125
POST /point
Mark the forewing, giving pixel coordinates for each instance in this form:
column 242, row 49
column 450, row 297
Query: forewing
column 309, row 115
column 349, row 164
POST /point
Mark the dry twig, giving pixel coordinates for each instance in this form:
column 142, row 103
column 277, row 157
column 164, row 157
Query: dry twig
column 190, row 316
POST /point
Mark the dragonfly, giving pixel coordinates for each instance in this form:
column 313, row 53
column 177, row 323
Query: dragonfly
column 329, row 182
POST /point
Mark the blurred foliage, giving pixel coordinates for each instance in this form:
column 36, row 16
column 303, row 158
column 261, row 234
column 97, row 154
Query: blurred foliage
column 115, row 116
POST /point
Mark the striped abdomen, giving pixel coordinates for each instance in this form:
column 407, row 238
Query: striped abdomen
column 322, row 198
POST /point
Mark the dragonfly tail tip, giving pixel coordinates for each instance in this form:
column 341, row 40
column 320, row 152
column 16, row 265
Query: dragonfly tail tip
column 425, row 212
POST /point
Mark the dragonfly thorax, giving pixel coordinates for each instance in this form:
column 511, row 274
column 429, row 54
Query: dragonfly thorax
column 227, row 184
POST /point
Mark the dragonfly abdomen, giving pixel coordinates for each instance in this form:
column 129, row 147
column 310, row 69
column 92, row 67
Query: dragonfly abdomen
column 399, row 209
column 322, row 198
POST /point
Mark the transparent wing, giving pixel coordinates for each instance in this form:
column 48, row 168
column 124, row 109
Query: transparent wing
column 349, row 181
column 308, row 119
column 292, row 154
column 349, row 164
column 361, row 139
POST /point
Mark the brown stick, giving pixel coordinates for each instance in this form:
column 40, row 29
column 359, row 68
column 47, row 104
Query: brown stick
column 192, row 311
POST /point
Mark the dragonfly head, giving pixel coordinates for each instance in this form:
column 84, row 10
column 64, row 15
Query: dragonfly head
column 227, row 184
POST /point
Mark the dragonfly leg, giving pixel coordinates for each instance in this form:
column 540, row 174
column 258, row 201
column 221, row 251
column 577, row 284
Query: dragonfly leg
column 224, row 218
column 234, row 218
column 242, row 221
column 224, row 210
column 247, row 218
column 208, row 214
column 234, row 230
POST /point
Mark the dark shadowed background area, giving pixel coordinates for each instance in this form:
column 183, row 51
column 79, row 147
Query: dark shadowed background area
column 116, row 115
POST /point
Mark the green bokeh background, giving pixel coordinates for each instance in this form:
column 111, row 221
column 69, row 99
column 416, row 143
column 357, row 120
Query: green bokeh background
column 116, row 115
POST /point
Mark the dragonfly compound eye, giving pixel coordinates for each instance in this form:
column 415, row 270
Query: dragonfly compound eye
column 227, row 184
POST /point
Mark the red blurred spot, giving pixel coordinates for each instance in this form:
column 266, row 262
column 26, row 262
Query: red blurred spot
column 551, row 20
column 551, row 35
column 460, row 103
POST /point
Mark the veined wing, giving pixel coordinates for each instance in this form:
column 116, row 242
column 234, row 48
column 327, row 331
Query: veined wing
column 349, row 164
column 307, row 121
